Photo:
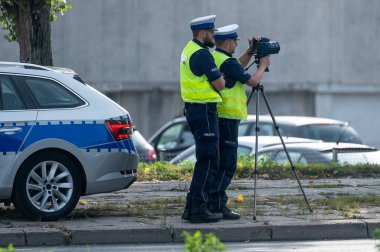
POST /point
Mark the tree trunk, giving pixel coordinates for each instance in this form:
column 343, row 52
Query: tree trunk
column 34, row 31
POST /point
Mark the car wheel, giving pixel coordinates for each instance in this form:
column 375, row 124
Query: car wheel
column 47, row 186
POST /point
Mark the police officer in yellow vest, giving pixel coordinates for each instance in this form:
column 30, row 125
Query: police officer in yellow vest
column 201, row 83
column 231, row 110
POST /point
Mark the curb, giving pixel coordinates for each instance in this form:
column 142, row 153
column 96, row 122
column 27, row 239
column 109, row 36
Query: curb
column 234, row 232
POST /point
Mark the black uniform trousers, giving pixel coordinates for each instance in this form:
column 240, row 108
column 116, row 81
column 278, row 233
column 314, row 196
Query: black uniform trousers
column 203, row 122
column 228, row 143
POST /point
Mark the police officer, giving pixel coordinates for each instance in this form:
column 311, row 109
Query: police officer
column 231, row 110
column 201, row 82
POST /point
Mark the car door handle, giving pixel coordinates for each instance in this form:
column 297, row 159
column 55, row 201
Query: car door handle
column 10, row 131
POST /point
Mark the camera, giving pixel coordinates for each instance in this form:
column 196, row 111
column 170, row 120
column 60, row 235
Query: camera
column 263, row 48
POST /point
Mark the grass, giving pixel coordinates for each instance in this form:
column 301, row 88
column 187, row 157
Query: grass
column 160, row 171
column 346, row 205
column 239, row 188
column 349, row 203
column 152, row 209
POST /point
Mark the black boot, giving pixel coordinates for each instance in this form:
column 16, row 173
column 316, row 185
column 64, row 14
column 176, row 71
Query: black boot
column 205, row 217
column 227, row 213
column 186, row 213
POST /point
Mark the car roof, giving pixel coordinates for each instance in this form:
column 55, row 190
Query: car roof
column 321, row 146
column 296, row 120
column 271, row 140
column 26, row 68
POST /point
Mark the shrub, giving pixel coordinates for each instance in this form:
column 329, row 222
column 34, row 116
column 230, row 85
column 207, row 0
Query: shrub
column 202, row 243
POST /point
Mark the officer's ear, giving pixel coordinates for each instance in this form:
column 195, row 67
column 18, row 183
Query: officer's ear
column 203, row 33
column 227, row 43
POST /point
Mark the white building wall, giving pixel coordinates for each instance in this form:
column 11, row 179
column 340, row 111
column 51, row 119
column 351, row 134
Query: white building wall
column 130, row 50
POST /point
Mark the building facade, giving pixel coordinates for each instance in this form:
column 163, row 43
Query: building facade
column 328, row 65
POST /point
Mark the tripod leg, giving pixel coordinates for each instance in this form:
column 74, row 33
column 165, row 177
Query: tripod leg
column 250, row 95
column 256, row 149
column 284, row 146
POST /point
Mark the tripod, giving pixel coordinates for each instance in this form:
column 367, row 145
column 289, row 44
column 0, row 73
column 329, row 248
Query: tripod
column 260, row 89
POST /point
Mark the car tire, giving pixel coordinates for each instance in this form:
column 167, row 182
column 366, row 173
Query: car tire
column 47, row 186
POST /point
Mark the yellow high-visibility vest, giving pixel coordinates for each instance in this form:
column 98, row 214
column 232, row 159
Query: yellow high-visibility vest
column 195, row 88
column 234, row 100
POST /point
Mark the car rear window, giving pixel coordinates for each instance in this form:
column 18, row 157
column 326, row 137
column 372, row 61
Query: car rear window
column 328, row 133
column 50, row 94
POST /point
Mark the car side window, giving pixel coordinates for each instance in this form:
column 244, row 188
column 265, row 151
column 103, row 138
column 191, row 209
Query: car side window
column 9, row 98
column 49, row 94
column 266, row 129
column 169, row 138
column 243, row 128
column 186, row 138
column 297, row 157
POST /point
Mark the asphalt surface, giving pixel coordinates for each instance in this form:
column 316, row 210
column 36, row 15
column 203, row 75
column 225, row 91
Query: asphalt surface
column 150, row 213
column 294, row 246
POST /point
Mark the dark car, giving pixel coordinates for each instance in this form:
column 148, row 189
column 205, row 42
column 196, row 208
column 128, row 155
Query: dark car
column 175, row 136
column 172, row 138
column 146, row 152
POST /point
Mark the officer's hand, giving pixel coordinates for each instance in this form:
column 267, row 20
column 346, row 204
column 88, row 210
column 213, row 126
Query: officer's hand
column 265, row 61
column 252, row 41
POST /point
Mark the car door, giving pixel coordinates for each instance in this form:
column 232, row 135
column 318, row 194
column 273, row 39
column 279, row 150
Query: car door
column 15, row 123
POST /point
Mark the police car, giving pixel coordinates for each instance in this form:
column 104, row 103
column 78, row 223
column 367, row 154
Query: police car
column 59, row 139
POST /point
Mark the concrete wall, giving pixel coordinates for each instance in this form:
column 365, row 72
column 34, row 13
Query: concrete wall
column 328, row 63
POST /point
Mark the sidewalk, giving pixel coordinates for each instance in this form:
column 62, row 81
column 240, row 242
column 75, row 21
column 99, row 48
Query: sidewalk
column 150, row 213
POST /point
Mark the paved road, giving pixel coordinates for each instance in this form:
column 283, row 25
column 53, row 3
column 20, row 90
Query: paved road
column 296, row 246
column 150, row 213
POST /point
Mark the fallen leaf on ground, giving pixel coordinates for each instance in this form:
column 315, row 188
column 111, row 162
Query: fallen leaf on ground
column 83, row 202
column 239, row 198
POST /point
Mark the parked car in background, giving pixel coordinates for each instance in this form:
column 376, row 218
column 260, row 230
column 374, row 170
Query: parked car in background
column 175, row 136
column 146, row 152
column 327, row 130
column 321, row 152
column 59, row 139
column 246, row 146
column 172, row 138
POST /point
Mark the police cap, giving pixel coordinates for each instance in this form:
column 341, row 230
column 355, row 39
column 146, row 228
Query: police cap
column 203, row 23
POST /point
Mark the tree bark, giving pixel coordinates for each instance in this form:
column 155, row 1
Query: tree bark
column 34, row 31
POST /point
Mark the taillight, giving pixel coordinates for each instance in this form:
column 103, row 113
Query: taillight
column 120, row 129
column 152, row 154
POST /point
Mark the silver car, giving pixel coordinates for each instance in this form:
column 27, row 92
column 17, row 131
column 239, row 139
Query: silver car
column 246, row 146
column 175, row 136
column 59, row 139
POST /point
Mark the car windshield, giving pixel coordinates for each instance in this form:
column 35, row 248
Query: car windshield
column 327, row 133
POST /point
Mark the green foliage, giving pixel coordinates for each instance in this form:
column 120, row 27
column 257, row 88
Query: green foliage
column 59, row 7
column 376, row 235
column 202, row 243
column 9, row 11
column 267, row 170
column 9, row 249
column 163, row 171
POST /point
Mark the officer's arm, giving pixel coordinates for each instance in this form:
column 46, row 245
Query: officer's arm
column 207, row 65
column 245, row 58
column 219, row 83
column 258, row 75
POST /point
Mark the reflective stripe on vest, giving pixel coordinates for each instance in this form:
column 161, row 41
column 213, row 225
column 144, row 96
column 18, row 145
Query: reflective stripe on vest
column 234, row 100
column 195, row 88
